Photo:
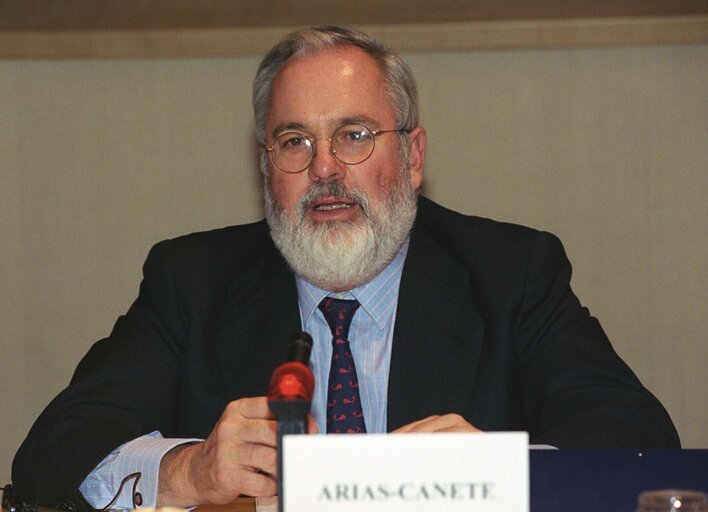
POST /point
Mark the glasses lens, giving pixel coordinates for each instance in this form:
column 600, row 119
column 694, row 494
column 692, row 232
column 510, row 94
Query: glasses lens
column 292, row 152
column 352, row 143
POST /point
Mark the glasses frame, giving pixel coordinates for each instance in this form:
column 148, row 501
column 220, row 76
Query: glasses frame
column 374, row 133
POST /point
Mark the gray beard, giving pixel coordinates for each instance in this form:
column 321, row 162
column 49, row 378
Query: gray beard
column 342, row 255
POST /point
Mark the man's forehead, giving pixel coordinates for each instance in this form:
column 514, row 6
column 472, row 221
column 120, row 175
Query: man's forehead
column 323, row 66
column 328, row 88
column 337, row 51
column 334, row 75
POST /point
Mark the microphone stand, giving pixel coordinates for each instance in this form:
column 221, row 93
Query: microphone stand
column 291, row 416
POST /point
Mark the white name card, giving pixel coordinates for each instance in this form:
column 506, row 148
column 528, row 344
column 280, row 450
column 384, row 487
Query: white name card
column 406, row 473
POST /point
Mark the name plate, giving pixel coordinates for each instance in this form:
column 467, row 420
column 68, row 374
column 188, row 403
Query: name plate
column 406, row 472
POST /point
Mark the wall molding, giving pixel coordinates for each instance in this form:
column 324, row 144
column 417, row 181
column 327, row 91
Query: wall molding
column 161, row 42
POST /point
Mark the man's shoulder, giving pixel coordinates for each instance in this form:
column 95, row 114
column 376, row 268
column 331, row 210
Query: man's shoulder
column 454, row 228
column 254, row 232
column 486, row 247
column 497, row 256
column 215, row 250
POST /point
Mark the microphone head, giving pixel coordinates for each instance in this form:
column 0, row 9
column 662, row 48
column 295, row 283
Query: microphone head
column 300, row 348
column 293, row 380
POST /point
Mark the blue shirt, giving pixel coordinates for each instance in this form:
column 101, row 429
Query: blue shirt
column 370, row 337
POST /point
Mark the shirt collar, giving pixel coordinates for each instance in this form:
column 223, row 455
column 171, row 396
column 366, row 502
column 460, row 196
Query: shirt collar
column 378, row 297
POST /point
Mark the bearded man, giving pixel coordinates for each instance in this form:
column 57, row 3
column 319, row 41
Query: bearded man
column 459, row 323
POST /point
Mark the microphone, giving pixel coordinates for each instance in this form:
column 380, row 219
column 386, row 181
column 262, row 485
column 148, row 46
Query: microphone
column 289, row 396
column 293, row 380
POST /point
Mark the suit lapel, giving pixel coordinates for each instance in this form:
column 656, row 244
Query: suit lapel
column 437, row 336
column 263, row 315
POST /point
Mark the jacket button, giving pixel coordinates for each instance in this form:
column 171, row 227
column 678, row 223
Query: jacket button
column 138, row 499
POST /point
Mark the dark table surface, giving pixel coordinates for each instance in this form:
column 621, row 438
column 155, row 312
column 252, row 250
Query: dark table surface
column 589, row 480
column 610, row 480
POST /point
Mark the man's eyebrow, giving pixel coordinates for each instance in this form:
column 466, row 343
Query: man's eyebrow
column 284, row 127
column 363, row 120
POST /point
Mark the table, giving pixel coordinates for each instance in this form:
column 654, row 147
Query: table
column 590, row 480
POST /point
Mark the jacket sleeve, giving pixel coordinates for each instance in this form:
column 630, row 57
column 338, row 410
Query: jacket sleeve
column 123, row 388
column 577, row 392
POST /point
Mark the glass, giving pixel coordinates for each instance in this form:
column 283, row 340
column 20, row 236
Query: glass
column 351, row 144
column 11, row 503
column 672, row 500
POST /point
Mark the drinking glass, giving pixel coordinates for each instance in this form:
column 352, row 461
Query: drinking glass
column 672, row 500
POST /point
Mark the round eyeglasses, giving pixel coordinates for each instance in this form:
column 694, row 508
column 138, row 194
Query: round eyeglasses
column 351, row 144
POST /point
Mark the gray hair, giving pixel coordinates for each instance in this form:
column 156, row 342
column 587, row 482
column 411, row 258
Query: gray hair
column 397, row 75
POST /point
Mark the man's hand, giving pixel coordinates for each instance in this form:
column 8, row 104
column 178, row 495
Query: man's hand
column 238, row 458
column 445, row 423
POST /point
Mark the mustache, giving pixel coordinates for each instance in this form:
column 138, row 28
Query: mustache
column 322, row 189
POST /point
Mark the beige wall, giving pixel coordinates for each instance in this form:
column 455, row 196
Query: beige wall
column 605, row 147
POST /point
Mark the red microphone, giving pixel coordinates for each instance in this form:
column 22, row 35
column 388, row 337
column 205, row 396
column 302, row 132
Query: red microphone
column 291, row 387
column 293, row 380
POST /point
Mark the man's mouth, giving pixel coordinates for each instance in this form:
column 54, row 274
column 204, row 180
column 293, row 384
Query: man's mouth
column 332, row 206
column 329, row 205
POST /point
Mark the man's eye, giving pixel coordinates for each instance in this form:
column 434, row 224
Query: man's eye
column 293, row 142
column 353, row 137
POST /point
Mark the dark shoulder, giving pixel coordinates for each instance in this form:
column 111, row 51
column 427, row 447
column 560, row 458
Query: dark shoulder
column 219, row 239
column 215, row 251
column 468, row 232
column 497, row 254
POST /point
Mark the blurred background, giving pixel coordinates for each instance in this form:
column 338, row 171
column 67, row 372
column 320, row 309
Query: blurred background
column 125, row 123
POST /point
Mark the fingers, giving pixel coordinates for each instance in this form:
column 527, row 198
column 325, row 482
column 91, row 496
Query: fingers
column 312, row 427
column 238, row 458
column 252, row 408
column 246, row 421
column 197, row 474
column 257, row 484
column 433, row 424
column 256, row 457
column 245, row 435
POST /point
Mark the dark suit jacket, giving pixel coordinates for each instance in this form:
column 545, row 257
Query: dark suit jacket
column 487, row 326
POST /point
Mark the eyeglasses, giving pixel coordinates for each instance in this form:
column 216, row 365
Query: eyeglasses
column 351, row 144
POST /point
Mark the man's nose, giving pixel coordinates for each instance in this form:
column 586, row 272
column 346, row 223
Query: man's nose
column 324, row 164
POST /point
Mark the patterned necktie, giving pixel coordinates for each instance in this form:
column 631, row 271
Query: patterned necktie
column 344, row 412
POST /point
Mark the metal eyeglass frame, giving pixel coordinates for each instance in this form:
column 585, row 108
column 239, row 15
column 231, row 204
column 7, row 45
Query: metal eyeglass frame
column 313, row 147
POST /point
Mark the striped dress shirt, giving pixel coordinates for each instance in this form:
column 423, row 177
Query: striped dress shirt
column 370, row 339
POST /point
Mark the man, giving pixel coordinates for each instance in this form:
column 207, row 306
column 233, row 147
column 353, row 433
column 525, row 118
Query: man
column 460, row 323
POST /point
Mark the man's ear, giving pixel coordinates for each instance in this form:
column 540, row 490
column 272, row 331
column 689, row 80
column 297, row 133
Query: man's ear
column 417, row 141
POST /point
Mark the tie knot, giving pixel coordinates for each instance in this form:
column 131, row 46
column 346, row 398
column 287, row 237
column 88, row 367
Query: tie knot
column 339, row 314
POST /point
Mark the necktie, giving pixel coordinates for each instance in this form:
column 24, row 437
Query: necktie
column 344, row 412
